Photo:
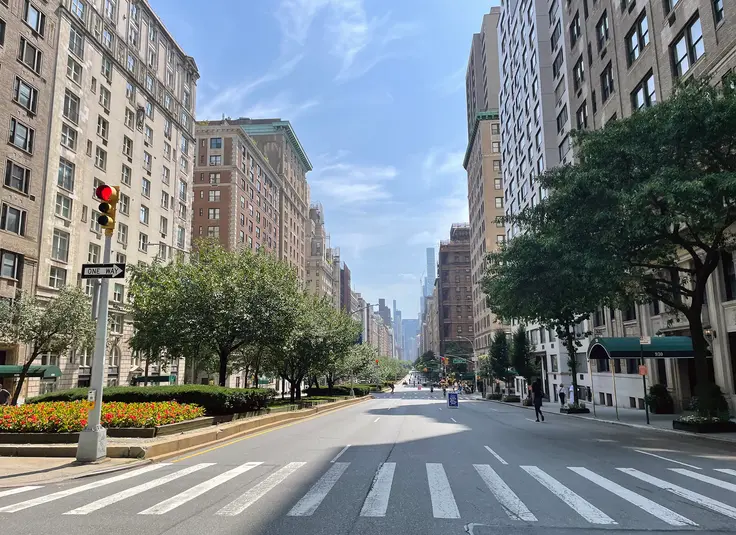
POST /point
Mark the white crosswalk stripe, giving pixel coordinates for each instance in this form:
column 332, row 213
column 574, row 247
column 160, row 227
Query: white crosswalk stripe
column 578, row 504
column 249, row 498
column 376, row 503
column 728, row 471
column 443, row 500
column 700, row 499
column 18, row 490
column 127, row 493
column 511, row 503
column 197, row 490
column 651, row 507
column 705, row 479
column 76, row 490
column 312, row 499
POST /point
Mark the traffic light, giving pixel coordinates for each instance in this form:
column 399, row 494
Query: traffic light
column 108, row 207
column 376, row 361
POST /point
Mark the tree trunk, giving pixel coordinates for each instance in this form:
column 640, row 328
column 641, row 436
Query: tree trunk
column 247, row 371
column 148, row 360
column 257, row 367
column 700, row 347
column 22, row 378
column 330, row 383
column 223, row 368
column 292, row 391
column 571, row 350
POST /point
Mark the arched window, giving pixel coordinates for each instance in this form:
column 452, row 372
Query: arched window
column 114, row 358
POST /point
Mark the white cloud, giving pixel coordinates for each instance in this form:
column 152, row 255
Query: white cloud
column 280, row 105
column 351, row 184
column 233, row 97
column 356, row 244
column 439, row 162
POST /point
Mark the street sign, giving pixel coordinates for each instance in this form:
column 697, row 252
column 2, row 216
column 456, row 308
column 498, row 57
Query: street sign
column 452, row 401
column 103, row 271
column 645, row 340
column 642, row 370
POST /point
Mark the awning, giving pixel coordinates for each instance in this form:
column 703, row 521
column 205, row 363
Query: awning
column 44, row 372
column 151, row 379
column 628, row 347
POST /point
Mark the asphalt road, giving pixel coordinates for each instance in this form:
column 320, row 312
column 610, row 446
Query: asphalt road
column 406, row 464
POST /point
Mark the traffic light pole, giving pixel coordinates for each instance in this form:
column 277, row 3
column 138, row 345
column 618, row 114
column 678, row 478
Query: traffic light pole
column 93, row 438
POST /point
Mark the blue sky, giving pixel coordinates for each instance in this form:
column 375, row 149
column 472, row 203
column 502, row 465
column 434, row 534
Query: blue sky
column 375, row 92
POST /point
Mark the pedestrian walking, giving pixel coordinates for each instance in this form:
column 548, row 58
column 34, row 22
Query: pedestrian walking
column 562, row 395
column 537, row 393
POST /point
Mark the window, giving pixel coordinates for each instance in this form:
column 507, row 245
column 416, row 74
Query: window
column 496, row 146
column 116, row 324
column 65, row 178
column 669, row 4
column 142, row 242
column 103, row 127
column 127, row 146
column 60, row 246
column 575, row 30
column 582, row 116
column 17, row 177
column 124, row 205
column 164, row 200
column 562, row 119
column 216, row 143
column 718, row 10
column 181, row 234
column 148, row 133
column 601, row 30
column 167, row 151
column 57, row 277
column 557, row 65
column 105, row 98
column 93, row 255
column 578, row 73
column 129, row 91
column 131, row 62
column 688, row 48
column 499, row 202
column 149, row 109
column 110, row 9
column 63, row 206
column 607, row 88
column 122, row 233
column 500, row 238
column 118, row 293
column 147, row 160
column 497, row 183
column 213, row 213
column 21, row 136
column 213, row 232
column 182, row 190
column 25, row 95
column 163, row 225
column 126, row 174
column 13, row 220
column 146, row 188
column 94, row 226
column 2, row 32
column 74, row 71
column 100, row 158
column 556, row 33
column 637, row 38
column 564, row 147
column 106, row 67
column 34, row 18
column 144, row 215
column 644, row 94
column 216, row 160
column 78, row 8
column 76, row 43
column 29, row 55
column 107, row 39
column 71, row 106
column 10, row 265
column 129, row 118
column 214, row 196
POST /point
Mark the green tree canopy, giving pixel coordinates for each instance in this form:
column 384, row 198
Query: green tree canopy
column 522, row 359
column 54, row 326
column 499, row 356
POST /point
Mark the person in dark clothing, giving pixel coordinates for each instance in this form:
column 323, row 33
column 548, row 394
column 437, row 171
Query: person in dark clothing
column 537, row 398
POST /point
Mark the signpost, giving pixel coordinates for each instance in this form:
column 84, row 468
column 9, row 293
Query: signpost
column 103, row 271
column 452, row 400
column 644, row 341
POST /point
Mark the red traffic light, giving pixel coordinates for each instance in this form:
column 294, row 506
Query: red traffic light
column 106, row 193
column 376, row 361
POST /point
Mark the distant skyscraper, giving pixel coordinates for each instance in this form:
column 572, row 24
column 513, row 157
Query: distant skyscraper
column 431, row 272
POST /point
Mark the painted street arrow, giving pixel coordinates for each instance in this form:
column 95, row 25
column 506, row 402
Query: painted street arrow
column 103, row 271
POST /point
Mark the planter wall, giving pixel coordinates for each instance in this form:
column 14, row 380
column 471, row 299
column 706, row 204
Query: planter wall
column 705, row 427
column 39, row 438
column 565, row 410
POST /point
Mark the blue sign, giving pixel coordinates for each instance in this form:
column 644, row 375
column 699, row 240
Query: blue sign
column 452, row 400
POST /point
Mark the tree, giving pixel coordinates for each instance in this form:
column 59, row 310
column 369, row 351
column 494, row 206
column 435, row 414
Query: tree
column 390, row 369
column 343, row 330
column 537, row 278
column 650, row 191
column 357, row 361
column 522, row 359
column 56, row 326
column 499, row 356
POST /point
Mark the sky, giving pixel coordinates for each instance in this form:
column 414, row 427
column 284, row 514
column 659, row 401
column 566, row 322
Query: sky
column 375, row 91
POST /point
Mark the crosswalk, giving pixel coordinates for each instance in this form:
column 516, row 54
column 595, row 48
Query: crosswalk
column 507, row 485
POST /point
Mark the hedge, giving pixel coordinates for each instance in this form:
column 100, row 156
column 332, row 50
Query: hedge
column 215, row 400
column 342, row 390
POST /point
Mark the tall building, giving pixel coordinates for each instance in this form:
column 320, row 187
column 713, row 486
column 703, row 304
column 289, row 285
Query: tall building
column 454, row 294
column 410, row 332
column 384, row 311
column 483, row 165
column 27, row 84
column 278, row 141
column 236, row 191
column 346, row 293
column 431, row 271
column 122, row 113
column 320, row 272
column 336, row 281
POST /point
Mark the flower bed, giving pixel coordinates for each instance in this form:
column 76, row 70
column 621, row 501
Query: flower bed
column 704, row 424
column 71, row 416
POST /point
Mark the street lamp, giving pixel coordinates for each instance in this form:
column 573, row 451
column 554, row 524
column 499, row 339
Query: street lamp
column 475, row 367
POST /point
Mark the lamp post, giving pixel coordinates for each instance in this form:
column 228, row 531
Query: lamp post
column 475, row 367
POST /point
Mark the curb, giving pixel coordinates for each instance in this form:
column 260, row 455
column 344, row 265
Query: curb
column 626, row 424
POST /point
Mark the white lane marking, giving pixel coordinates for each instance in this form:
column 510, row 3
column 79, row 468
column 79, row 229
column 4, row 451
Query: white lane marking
column 312, row 499
column 494, row 410
column 531, row 420
column 374, row 421
column 376, row 503
column 713, row 505
column 440, row 408
column 510, row 502
column 443, row 501
column 667, row 459
column 496, row 455
column 75, row 490
column 251, row 496
column 706, row 479
column 653, row 508
column 197, row 490
column 18, row 490
column 336, row 457
column 726, row 471
column 604, row 440
column 127, row 493
column 453, row 419
column 578, row 504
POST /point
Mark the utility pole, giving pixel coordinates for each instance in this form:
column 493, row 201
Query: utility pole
column 92, row 444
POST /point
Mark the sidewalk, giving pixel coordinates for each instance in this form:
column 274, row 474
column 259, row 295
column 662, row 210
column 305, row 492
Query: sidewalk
column 630, row 418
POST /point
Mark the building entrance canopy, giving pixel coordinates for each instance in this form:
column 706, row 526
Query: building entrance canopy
column 661, row 347
column 45, row 372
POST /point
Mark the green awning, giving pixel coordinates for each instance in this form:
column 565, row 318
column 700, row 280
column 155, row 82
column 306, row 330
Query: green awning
column 44, row 372
column 628, row 347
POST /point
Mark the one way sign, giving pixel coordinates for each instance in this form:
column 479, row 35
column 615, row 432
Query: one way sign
column 103, row 271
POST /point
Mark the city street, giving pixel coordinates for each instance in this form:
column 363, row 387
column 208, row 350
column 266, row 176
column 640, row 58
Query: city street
column 405, row 463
